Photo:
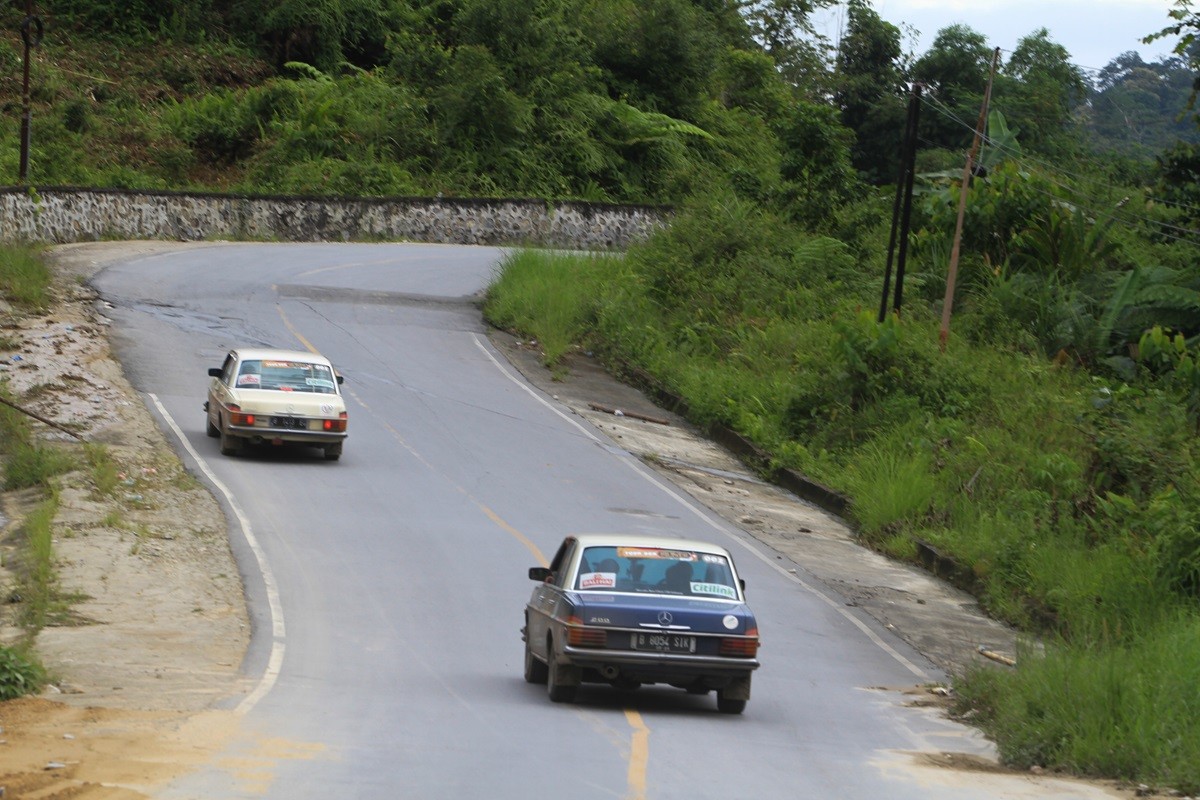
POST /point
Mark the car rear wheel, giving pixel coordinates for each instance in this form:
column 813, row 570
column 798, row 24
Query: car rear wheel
column 560, row 691
column 230, row 445
column 333, row 451
column 728, row 705
column 535, row 671
column 211, row 429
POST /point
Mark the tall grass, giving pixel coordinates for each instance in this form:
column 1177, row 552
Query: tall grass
column 24, row 276
column 26, row 461
column 38, row 586
column 549, row 296
column 1125, row 711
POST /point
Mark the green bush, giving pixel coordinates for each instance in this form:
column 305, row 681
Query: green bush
column 19, row 675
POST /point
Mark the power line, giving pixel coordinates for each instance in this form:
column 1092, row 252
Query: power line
column 1050, row 173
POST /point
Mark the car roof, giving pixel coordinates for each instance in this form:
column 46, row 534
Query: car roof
column 269, row 353
column 648, row 541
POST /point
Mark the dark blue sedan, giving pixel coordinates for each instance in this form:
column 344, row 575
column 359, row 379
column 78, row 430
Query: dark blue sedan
column 629, row 610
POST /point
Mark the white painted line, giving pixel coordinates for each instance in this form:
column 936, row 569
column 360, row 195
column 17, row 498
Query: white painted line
column 278, row 638
column 687, row 503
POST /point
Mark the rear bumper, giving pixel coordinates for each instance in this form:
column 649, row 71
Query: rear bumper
column 265, row 434
column 660, row 666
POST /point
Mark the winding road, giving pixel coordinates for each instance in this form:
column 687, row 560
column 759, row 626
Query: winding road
column 386, row 589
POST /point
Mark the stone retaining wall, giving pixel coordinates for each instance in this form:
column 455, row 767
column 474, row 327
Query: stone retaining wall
column 60, row 215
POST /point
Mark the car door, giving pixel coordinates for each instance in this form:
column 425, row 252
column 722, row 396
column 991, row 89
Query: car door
column 218, row 390
column 546, row 599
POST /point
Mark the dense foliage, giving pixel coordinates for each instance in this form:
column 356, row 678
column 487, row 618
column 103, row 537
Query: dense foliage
column 1049, row 446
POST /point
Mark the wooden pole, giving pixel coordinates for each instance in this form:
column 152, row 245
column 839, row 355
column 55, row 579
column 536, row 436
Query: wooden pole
column 952, row 274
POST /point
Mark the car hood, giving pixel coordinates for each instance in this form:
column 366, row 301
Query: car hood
column 265, row 401
column 662, row 612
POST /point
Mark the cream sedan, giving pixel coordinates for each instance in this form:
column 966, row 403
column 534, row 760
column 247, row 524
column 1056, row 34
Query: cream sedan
column 266, row 396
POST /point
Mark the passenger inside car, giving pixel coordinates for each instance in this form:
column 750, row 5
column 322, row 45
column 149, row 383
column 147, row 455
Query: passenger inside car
column 678, row 578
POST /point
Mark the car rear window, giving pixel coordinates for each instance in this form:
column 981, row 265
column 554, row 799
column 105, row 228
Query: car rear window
column 655, row 570
column 286, row 376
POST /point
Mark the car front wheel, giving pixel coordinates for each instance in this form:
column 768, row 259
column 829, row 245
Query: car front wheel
column 535, row 671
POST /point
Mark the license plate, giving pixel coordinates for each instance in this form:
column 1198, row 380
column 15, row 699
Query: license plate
column 664, row 642
column 289, row 423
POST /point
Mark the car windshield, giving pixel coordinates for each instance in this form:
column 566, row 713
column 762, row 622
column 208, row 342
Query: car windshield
column 286, row 376
column 653, row 570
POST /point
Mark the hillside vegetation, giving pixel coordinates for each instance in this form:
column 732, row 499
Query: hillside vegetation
column 1047, row 441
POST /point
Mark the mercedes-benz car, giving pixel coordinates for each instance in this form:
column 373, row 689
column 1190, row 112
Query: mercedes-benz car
column 276, row 397
column 629, row 610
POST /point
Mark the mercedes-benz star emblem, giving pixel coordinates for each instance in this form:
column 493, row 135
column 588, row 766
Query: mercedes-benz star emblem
column 664, row 618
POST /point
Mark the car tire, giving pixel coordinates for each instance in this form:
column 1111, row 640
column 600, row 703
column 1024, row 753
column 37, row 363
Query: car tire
column 210, row 429
column 559, row 692
column 333, row 451
column 230, row 445
column 701, row 690
column 727, row 705
column 535, row 671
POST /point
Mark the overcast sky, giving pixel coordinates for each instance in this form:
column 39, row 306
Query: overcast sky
column 1094, row 32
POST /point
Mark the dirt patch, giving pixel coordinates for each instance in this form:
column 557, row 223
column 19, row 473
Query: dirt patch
column 157, row 626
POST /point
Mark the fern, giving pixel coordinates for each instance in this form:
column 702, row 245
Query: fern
column 649, row 126
column 308, row 71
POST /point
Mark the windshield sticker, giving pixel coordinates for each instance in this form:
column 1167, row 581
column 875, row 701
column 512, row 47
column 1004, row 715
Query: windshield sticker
column 708, row 559
column 249, row 380
column 714, row 588
column 637, row 552
column 278, row 364
column 598, row 580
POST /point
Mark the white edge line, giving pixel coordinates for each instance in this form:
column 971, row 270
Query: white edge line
column 636, row 465
column 275, row 662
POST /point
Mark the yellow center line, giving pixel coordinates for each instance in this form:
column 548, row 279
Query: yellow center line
column 639, row 744
column 639, row 755
column 287, row 323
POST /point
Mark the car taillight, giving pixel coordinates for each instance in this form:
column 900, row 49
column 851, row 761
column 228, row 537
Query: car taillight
column 580, row 636
column 741, row 646
column 237, row 417
column 336, row 425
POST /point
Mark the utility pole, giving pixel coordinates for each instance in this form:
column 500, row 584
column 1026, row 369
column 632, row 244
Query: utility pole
column 31, row 34
column 952, row 274
column 902, row 206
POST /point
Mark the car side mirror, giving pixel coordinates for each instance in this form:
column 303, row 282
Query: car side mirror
column 340, row 380
column 540, row 573
column 742, row 583
column 214, row 372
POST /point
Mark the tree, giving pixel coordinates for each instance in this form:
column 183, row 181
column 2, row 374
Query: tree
column 1038, row 90
column 1138, row 109
column 784, row 30
column 658, row 54
column 870, row 87
column 954, row 73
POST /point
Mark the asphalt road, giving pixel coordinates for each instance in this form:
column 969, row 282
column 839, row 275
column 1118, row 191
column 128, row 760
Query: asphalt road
column 387, row 589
